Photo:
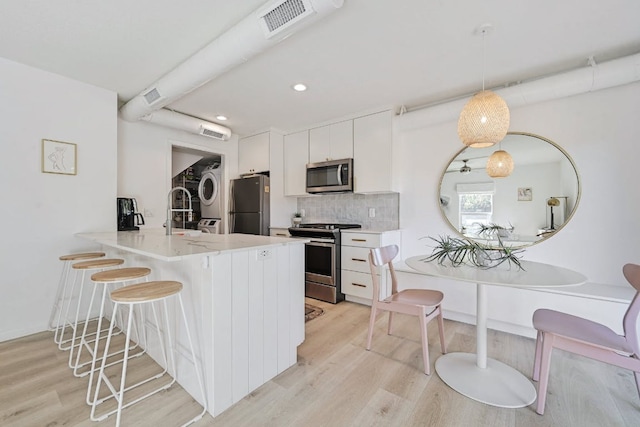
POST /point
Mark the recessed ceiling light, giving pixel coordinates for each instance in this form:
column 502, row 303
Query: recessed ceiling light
column 221, row 117
column 299, row 87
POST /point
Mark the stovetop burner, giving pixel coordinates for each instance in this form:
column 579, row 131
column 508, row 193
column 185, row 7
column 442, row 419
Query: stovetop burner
column 320, row 230
column 329, row 226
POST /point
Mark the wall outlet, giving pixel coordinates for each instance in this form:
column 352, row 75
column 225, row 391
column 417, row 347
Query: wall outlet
column 148, row 213
column 303, row 213
column 264, row 254
column 372, row 212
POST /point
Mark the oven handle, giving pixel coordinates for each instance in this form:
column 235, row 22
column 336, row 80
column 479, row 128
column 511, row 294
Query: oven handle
column 321, row 242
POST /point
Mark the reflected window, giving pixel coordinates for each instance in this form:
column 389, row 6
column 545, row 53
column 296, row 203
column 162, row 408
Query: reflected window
column 475, row 208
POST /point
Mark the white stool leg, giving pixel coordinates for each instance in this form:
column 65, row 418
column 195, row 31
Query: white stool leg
column 57, row 309
column 65, row 320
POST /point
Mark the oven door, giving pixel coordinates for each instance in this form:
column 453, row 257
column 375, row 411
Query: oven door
column 319, row 261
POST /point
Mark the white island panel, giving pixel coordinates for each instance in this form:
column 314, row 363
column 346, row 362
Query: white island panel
column 244, row 297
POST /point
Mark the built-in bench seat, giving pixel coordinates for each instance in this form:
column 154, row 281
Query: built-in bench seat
column 511, row 309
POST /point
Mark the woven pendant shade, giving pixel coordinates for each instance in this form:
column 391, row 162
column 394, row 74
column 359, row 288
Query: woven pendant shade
column 500, row 164
column 484, row 120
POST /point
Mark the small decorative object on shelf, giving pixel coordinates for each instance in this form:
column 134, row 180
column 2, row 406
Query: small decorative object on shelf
column 297, row 219
column 491, row 230
column 459, row 251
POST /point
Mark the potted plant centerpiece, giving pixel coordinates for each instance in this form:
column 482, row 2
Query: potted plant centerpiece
column 458, row 251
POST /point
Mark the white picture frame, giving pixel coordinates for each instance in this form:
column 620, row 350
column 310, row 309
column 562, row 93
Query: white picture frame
column 59, row 157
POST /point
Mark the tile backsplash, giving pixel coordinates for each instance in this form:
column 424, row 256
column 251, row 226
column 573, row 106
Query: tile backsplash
column 354, row 209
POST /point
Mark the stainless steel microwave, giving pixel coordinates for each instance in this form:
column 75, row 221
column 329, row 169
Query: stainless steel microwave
column 334, row 176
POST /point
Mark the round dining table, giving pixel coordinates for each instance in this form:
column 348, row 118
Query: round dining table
column 475, row 375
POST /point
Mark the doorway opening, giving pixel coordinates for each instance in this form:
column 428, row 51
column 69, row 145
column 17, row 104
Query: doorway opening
column 202, row 174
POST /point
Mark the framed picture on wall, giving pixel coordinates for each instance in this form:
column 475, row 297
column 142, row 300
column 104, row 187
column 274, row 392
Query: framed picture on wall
column 59, row 157
column 525, row 194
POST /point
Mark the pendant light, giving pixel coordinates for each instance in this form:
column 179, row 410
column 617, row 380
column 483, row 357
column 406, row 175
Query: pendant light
column 484, row 120
column 500, row 164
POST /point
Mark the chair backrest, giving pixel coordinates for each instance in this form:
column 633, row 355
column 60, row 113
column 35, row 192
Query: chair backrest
column 630, row 322
column 377, row 258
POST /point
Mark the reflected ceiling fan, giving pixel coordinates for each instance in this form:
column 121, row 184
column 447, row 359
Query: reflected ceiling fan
column 465, row 169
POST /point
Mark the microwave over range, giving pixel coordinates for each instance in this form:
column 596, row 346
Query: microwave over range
column 334, row 176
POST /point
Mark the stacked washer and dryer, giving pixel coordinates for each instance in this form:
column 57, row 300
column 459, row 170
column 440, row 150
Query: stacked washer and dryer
column 210, row 195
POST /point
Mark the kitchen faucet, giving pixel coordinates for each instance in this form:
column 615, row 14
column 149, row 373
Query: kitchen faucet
column 170, row 209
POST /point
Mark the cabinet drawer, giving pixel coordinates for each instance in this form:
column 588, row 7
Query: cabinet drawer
column 355, row 259
column 364, row 240
column 279, row 232
column 357, row 284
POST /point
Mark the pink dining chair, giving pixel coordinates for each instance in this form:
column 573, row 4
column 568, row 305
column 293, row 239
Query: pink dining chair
column 416, row 302
column 587, row 338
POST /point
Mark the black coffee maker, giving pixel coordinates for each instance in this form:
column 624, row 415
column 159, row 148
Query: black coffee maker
column 128, row 217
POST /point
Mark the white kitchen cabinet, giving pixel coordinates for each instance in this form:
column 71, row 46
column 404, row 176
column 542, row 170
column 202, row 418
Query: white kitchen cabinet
column 356, row 281
column 253, row 154
column 279, row 232
column 332, row 142
column 372, row 138
column 296, row 157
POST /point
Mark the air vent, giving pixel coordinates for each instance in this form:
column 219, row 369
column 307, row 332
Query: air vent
column 152, row 96
column 277, row 18
column 222, row 134
column 211, row 133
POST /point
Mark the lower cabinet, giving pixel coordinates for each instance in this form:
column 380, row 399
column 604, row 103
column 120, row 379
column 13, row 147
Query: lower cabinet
column 357, row 284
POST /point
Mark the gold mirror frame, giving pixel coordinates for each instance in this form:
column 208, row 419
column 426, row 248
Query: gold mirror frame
column 525, row 194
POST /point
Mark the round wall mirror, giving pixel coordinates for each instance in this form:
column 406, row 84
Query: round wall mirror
column 530, row 205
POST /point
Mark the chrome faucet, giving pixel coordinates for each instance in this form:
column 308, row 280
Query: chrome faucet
column 170, row 209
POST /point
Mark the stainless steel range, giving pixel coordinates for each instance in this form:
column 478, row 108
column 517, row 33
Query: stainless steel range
column 322, row 259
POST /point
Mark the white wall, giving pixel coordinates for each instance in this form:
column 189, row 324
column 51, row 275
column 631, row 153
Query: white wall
column 42, row 211
column 144, row 161
column 599, row 131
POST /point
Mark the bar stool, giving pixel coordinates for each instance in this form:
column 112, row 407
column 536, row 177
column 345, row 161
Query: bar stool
column 133, row 295
column 107, row 278
column 63, row 286
column 84, row 267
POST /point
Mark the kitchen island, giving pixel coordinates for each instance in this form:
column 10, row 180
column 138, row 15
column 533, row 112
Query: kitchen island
column 244, row 297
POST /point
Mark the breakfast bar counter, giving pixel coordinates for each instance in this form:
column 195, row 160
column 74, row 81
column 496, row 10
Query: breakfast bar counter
column 244, row 297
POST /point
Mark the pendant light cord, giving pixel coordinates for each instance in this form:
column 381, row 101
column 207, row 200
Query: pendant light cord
column 484, row 33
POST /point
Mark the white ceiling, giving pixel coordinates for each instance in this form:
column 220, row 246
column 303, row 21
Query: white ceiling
column 367, row 55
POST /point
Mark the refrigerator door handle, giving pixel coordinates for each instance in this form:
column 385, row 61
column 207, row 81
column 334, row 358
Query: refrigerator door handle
column 339, row 173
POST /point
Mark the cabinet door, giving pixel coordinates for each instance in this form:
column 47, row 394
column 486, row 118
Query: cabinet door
column 296, row 157
column 253, row 154
column 372, row 153
column 331, row 142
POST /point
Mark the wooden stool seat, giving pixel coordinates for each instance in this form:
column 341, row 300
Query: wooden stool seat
column 98, row 263
column 120, row 274
column 85, row 255
column 146, row 292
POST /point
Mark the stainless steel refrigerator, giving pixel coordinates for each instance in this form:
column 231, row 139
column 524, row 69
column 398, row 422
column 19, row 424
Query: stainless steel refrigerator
column 249, row 205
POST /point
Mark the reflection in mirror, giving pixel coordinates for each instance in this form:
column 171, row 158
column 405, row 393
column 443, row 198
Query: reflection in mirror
column 528, row 206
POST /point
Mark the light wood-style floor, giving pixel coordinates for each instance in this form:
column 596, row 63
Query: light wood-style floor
column 335, row 383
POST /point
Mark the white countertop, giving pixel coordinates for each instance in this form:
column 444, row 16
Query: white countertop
column 155, row 244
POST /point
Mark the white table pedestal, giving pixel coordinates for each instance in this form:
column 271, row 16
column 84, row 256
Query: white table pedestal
column 497, row 384
column 480, row 378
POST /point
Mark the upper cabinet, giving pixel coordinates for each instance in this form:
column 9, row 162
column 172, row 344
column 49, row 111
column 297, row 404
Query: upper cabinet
column 332, row 142
column 372, row 147
column 253, row 154
column 296, row 157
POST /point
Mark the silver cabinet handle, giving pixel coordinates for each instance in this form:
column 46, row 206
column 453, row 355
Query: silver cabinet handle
column 358, row 259
column 358, row 240
column 358, row 284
